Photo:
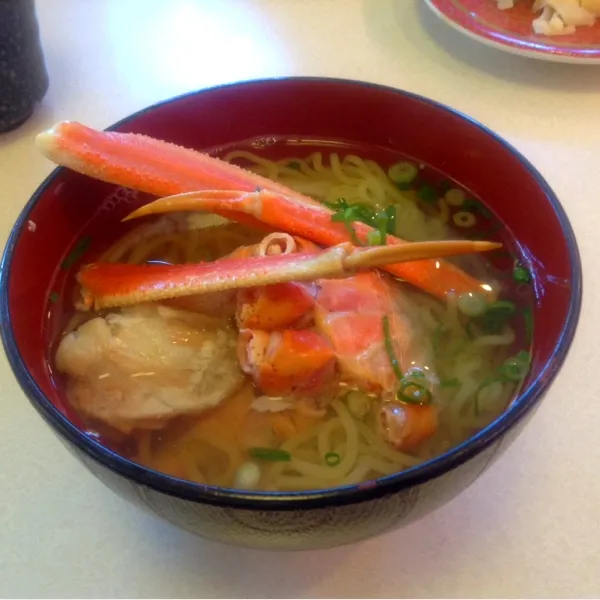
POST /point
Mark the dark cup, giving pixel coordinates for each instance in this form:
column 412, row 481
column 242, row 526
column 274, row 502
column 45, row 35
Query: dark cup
column 23, row 75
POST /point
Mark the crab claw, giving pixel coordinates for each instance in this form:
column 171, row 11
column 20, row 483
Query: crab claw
column 313, row 221
column 287, row 361
column 106, row 285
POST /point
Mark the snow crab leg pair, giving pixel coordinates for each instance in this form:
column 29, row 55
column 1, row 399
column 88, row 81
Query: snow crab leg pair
column 310, row 303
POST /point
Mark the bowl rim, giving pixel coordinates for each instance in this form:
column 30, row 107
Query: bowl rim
column 350, row 494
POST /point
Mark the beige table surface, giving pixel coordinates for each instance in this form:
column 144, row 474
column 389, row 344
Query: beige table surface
column 528, row 527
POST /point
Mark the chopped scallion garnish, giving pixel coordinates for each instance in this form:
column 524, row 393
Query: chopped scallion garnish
column 374, row 238
column 410, row 391
column 270, row 454
column 476, row 206
column 516, row 367
column 454, row 197
column 381, row 222
column 391, row 221
column 464, row 219
column 350, row 213
column 352, row 233
column 414, row 393
column 78, row 251
column 333, row 459
column 389, row 348
column 520, row 273
column 497, row 316
column 403, row 172
column 449, row 383
column 428, row 194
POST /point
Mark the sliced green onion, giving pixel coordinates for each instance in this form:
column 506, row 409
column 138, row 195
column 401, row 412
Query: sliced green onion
column 380, row 221
column 516, row 367
column 339, row 217
column 337, row 204
column 364, row 213
column 404, row 187
column 348, row 214
column 403, row 172
column 391, row 221
column 352, row 233
column 478, row 207
column 523, row 357
column 521, row 274
column 450, row 383
column 414, row 393
column 514, row 371
column 497, row 316
column 488, row 381
column 294, row 165
column 78, row 251
column 455, row 197
column 464, row 219
column 333, row 459
column 472, row 304
column 344, row 215
column 358, row 403
column 270, row 454
column 374, row 238
column 428, row 194
column 54, row 297
column 504, row 306
column 389, row 348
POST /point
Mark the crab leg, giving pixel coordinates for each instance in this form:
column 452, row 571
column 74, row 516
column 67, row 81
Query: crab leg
column 146, row 164
column 164, row 169
column 110, row 285
column 314, row 222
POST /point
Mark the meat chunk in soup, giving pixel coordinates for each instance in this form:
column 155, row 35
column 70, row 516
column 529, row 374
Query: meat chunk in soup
column 142, row 366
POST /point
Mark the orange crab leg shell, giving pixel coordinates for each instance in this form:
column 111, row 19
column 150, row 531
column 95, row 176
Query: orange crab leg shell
column 106, row 285
column 314, row 222
column 146, row 164
column 282, row 361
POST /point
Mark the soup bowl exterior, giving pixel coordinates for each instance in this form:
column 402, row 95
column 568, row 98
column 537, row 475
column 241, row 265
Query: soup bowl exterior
column 68, row 205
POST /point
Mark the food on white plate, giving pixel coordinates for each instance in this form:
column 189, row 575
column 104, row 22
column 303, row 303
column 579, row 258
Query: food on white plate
column 559, row 17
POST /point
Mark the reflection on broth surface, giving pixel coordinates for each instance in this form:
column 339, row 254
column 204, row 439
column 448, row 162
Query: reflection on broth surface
column 313, row 383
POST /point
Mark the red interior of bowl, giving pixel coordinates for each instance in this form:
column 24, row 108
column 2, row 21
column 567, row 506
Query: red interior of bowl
column 72, row 204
